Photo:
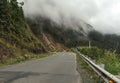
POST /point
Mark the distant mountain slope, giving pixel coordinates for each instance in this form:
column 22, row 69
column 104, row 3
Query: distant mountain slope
column 105, row 41
column 15, row 34
column 68, row 35
column 72, row 37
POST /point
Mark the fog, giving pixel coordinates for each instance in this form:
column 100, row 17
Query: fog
column 103, row 15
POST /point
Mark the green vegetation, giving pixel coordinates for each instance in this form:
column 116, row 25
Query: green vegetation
column 111, row 60
column 82, row 64
column 16, row 38
column 110, row 42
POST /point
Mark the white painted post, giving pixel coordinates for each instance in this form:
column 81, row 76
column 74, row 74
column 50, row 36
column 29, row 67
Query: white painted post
column 89, row 44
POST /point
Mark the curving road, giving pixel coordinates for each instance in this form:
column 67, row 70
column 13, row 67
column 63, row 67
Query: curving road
column 59, row 68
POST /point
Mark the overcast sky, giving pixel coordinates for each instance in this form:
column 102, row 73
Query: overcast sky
column 103, row 15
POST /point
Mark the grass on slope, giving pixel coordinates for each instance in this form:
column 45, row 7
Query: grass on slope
column 87, row 73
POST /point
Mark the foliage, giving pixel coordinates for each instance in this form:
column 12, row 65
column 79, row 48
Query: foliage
column 93, row 52
column 14, row 32
column 111, row 60
column 105, row 41
column 91, row 74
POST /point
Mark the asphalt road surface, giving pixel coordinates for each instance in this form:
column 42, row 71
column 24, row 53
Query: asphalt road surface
column 59, row 68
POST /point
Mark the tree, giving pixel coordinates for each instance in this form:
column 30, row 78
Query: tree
column 96, row 36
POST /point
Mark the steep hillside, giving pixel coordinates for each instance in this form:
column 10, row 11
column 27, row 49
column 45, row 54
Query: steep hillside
column 61, row 33
column 15, row 35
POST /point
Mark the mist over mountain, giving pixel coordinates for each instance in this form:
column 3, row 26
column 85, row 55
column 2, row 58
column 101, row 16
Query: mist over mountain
column 56, row 11
column 102, row 15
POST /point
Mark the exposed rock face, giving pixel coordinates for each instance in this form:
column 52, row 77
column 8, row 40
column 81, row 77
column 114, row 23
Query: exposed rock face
column 50, row 44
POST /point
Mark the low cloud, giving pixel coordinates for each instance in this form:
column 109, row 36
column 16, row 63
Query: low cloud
column 103, row 15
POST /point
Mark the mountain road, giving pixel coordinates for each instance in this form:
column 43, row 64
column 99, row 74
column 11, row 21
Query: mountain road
column 59, row 68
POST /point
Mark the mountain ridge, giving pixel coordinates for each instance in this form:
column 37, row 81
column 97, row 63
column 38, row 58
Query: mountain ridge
column 60, row 32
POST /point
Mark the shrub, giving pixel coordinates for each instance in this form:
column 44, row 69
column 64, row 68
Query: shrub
column 111, row 60
column 92, row 52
